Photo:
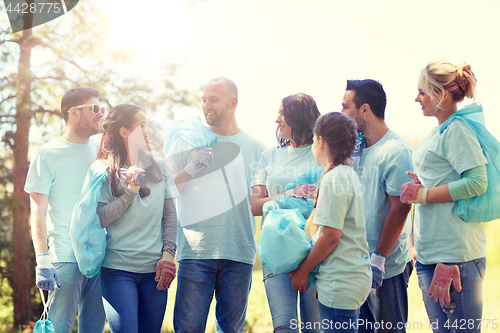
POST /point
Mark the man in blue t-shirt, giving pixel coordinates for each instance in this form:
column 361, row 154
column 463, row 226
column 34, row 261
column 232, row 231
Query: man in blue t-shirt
column 54, row 182
column 215, row 237
column 381, row 163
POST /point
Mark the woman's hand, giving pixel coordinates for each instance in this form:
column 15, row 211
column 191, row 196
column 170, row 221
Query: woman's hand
column 300, row 279
column 306, row 191
column 132, row 178
column 165, row 271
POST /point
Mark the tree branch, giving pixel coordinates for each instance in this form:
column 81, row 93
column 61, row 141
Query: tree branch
column 39, row 42
column 8, row 41
column 7, row 116
column 52, row 112
column 55, row 78
column 6, row 99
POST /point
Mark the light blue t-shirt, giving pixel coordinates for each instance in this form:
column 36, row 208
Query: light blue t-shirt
column 440, row 235
column 382, row 171
column 58, row 170
column 280, row 165
column 135, row 239
column 344, row 277
column 215, row 221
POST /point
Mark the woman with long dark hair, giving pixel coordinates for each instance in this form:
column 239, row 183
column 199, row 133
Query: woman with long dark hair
column 277, row 167
column 137, row 210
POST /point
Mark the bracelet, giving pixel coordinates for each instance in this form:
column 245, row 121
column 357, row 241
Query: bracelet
column 41, row 255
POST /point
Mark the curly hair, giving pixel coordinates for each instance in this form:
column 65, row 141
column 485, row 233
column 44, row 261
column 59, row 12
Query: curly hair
column 301, row 112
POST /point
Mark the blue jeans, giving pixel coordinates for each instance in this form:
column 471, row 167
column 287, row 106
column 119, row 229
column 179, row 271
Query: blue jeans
column 464, row 306
column 132, row 302
column 282, row 299
column 386, row 308
column 197, row 280
column 76, row 292
column 338, row 320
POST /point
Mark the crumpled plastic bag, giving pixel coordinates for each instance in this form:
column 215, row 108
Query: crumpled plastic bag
column 283, row 244
column 190, row 130
column 44, row 324
column 484, row 207
column 87, row 236
column 304, row 206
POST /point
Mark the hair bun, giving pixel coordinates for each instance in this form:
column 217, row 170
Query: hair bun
column 465, row 78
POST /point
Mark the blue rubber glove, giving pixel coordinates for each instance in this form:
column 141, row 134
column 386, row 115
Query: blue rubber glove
column 377, row 264
column 46, row 275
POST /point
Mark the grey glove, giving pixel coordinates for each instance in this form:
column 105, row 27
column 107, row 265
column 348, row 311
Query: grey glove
column 200, row 161
column 46, row 275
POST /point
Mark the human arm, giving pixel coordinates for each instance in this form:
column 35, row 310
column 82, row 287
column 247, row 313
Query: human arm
column 393, row 225
column 46, row 275
column 391, row 230
column 411, row 244
column 200, row 161
column 326, row 243
column 111, row 211
column 39, row 205
column 473, row 182
column 169, row 222
column 165, row 268
column 259, row 198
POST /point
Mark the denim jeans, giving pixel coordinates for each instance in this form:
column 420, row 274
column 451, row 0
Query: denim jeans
column 76, row 292
column 132, row 302
column 282, row 299
column 338, row 320
column 197, row 280
column 465, row 306
column 386, row 308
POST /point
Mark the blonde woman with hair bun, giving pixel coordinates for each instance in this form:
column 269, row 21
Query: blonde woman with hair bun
column 449, row 166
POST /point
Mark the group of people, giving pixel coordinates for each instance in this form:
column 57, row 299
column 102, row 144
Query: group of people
column 199, row 203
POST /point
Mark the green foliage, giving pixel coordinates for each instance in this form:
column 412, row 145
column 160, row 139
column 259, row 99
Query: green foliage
column 65, row 53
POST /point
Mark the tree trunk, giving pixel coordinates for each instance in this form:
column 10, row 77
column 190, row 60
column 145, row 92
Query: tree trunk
column 22, row 272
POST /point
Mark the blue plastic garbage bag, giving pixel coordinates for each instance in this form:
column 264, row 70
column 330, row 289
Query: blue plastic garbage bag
column 304, row 206
column 44, row 324
column 283, row 244
column 190, row 130
column 310, row 177
column 87, row 236
column 484, row 207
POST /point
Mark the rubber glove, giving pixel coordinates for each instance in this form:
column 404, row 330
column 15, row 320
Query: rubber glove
column 132, row 178
column 444, row 275
column 46, row 275
column 377, row 264
column 413, row 192
column 306, row 191
column 165, row 271
column 199, row 162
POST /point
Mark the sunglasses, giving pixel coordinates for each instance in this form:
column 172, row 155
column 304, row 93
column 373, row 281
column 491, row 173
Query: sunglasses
column 95, row 108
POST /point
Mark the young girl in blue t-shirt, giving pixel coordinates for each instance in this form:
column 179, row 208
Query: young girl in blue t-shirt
column 337, row 225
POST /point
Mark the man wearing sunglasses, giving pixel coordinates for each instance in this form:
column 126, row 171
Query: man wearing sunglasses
column 54, row 182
